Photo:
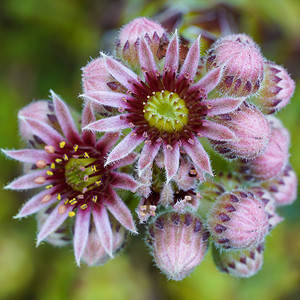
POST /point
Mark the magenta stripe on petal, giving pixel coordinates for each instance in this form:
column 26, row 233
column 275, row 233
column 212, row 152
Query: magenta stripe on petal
column 146, row 57
column 87, row 118
column 216, row 131
column 28, row 155
column 48, row 134
column 107, row 141
column 81, row 232
column 126, row 146
column 129, row 159
column 110, row 124
column 120, row 72
column 108, row 98
column 196, row 152
column 27, row 181
column 172, row 54
column 65, row 119
column 221, row 106
column 103, row 227
column 171, row 156
column 54, row 220
column 124, row 181
column 35, row 204
column 147, row 156
column 119, row 210
column 190, row 64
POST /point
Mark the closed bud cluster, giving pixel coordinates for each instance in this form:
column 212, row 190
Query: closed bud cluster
column 178, row 243
column 238, row 220
column 273, row 160
column 278, row 88
column 239, row 263
column 243, row 62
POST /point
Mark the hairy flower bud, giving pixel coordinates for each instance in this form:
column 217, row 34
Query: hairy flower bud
column 284, row 187
column 251, row 128
column 277, row 90
column 179, row 243
column 243, row 62
column 238, row 220
column 239, row 263
column 130, row 35
column 272, row 161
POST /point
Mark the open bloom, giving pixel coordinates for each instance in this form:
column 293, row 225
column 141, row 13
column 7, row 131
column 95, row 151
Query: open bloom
column 71, row 168
column 165, row 108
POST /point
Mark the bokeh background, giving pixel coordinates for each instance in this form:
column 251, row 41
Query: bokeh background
column 44, row 43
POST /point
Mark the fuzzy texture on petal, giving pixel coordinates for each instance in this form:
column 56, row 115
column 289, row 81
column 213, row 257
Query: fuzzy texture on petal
column 87, row 118
column 110, row 124
column 171, row 155
column 107, row 141
column 146, row 58
column 124, row 181
column 221, row 106
column 172, row 54
column 217, row 132
column 147, row 156
column 127, row 160
column 27, row 155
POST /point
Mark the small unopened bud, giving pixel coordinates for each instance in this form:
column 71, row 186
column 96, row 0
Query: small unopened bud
column 179, row 243
column 243, row 64
column 239, row 263
column 128, row 40
column 251, row 128
column 284, row 187
column 272, row 161
column 277, row 90
column 238, row 220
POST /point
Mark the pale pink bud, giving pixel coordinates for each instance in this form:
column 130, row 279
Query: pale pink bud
column 238, row 220
column 239, row 263
column 243, row 63
column 130, row 35
column 252, row 132
column 272, row 161
column 277, row 90
column 179, row 243
column 284, row 187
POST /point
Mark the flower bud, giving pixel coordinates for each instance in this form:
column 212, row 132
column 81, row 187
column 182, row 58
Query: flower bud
column 239, row 263
column 251, row 128
column 277, row 90
column 238, row 220
column 179, row 243
column 284, row 187
column 94, row 254
column 271, row 162
column 243, row 63
column 128, row 40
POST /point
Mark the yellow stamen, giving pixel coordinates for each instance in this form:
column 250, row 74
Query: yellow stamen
column 95, row 199
column 49, row 186
column 65, row 157
column 52, row 166
column 75, row 148
column 98, row 182
column 49, row 173
column 83, row 206
column 71, row 214
column 62, row 144
column 73, row 201
column 86, row 155
column 94, row 168
column 58, row 160
column 58, row 197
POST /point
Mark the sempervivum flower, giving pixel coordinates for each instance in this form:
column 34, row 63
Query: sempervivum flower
column 238, row 220
column 165, row 109
column 71, row 168
column 239, row 263
column 179, row 243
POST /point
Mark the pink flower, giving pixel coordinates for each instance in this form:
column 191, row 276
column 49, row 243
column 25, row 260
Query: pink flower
column 76, row 182
column 165, row 109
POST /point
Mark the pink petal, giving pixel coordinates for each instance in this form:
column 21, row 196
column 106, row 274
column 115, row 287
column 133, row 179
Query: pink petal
column 123, row 181
column 196, row 152
column 129, row 159
column 87, row 118
column 146, row 57
column 28, row 155
column 110, row 124
column 35, row 204
column 147, row 156
column 120, row 211
column 48, row 134
column 183, row 178
column 221, row 106
column 126, row 146
column 172, row 54
column 65, row 119
column 216, row 131
column 81, row 232
column 210, row 80
column 171, row 155
column 190, row 64
column 54, row 220
column 120, row 72
column 107, row 141
column 27, row 181
column 103, row 228
column 108, row 98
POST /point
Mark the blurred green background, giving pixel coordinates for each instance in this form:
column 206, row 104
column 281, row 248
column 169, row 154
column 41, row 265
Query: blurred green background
column 43, row 45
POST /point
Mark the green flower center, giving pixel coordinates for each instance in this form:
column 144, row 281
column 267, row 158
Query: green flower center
column 82, row 174
column 166, row 111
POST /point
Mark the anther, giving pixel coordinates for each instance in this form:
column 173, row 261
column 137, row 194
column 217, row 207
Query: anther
column 48, row 187
column 49, row 173
column 62, row 144
column 41, row 164
column 58, row 160
column 83, row 206
column 75, row 147
column 169, row 147
column 52, row 166
column 98, row 182
column 40, row 180
column 86, row 177
column 94, row 168
column 65, row 157
column 86, row 155
column 73, row 201
column 121, row 109
column 49, row 149
column 71, row 214
column 95, row 199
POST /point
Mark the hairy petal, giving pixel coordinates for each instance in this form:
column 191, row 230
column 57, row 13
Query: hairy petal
column 28, row 155
column 107, row 141
column 127, row 160
column 123, row 181
column 87, row 118
column 110, row 124
column 172, row 54
column 171, row 155
column 221, row 106
column 217, row 131
column 146, row 57
column 147, row 156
